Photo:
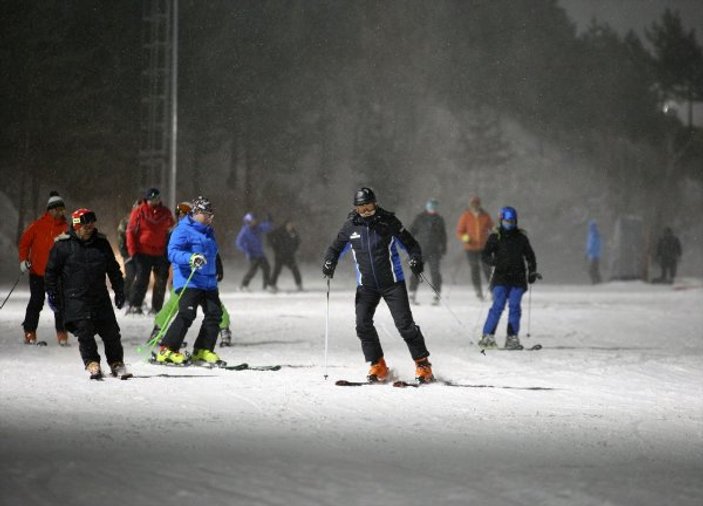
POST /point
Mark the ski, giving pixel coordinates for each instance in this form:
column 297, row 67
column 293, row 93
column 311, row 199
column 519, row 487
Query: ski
column 97, row 376
column 535, row 347
column 415, row 384
column 220, row 365
column 347, row 383
column 38, row 343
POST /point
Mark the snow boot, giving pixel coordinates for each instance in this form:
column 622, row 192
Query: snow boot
column 166, row 356
column 118, row 369
column 30, row 337
column 207, row 356
column 225, row 337
column 62, row 338
column 134, row 310
column 94, row 370
column 435, row 300
column 413, row 298
column 423, row 371
column 487, row 342
column 378, row 373
column 513, row 343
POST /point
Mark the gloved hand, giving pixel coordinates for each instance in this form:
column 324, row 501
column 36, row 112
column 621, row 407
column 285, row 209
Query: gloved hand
column 119, row 299
column 25, row 266
column 197, row 260
column 328, row 268
column 416, row 265
column 53, row 301
column 466, row 238
column 533, row 276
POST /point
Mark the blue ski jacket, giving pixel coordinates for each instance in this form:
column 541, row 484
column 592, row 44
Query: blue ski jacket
column 250, row 239
column 187, row 238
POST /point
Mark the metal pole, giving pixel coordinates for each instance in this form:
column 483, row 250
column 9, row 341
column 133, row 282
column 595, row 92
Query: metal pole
column 11, row 290
column 327, row 327
column 174, row 107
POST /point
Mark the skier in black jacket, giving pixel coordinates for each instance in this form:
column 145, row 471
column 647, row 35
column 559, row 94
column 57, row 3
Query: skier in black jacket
column 431, row 232
column 374, row 236
column 507, row 250
column 285, row 241
column 75, row 284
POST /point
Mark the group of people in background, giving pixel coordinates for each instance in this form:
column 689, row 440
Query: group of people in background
column 69, row 261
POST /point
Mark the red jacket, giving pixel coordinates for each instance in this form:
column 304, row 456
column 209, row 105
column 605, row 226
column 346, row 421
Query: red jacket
column 38, row 239
column 473, row 230
column 147, row 231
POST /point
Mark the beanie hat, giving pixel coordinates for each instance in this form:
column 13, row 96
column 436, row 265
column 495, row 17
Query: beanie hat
column 55, row 201
column 152, row 194
column 249, row 217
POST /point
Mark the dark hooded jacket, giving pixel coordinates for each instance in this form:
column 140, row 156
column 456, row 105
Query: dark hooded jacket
column 511, row 255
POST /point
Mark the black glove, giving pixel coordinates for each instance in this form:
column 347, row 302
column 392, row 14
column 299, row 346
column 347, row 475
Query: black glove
column 119, row 299
column 328, row 268
column 53, row 301
column 533, row 276
column 416, row 266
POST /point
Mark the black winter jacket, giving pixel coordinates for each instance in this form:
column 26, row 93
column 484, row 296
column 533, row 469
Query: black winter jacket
column 431, row 232
column 374, row 242
column 76, row 273
column 284, row 243
column 508, row 251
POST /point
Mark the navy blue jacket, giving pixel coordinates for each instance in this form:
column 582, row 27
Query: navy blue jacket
column 374, row 243
column 508, row 251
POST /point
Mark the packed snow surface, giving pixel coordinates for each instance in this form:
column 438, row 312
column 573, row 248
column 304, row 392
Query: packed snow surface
column 609, row 412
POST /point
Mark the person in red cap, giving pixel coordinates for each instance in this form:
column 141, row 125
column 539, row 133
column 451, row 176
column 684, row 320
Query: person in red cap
column 34, row 247
column 75, row 285
column 147, row 238
column 472, row 230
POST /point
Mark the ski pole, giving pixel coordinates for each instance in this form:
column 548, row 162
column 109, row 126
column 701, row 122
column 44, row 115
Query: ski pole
column 11, row 290
column 154, row 340
column 439, row 298
column 327, row 327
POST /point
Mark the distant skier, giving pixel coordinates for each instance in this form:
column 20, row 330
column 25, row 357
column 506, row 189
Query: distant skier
column 374, row 236
column 250, row 242
column 431, row 233
column 668, row 255
column 509, row 252
column 34, row 247
column 472, row 230
column 130, row 270
column 593, row 252
column 285, row 242
column 75, row 286
column 193, row 249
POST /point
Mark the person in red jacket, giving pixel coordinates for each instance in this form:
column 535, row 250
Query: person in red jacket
column 472, row 230
column 34, row 247
column 147, row 238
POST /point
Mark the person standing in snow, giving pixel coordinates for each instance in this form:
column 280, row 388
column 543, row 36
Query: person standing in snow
column 374, row 236
column 593, row 252
column 509, row 252
column 285, row 241
column 250, row 242
column 668, row 254
column 34, row 247
column 75, row 286
column 430, row 231
column 192, row 251
column 130, row 270
column 472, row 230
column 147, row 234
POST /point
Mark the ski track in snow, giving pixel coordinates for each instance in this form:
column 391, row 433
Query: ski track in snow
column 609, row 412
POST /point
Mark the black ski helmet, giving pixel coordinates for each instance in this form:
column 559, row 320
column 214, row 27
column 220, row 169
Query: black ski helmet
column 363, row 196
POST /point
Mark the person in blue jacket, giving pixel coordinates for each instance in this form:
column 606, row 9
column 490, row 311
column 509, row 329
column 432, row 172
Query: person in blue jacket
column 593, row 252
column 192, row 251
column 250, row 241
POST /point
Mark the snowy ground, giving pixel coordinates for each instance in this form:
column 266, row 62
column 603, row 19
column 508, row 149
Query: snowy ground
column 609, row 412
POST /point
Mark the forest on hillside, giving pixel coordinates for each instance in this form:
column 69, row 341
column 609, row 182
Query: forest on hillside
column 284, row 107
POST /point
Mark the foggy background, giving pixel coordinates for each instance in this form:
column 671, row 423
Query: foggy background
column 286, row 106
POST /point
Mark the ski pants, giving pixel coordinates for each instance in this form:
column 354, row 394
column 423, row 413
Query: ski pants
column 168, row 311
column 209, row 300
column 502, row 294
column 254, row 264
column 594, row 270
column 396, row 297
column 35, row 305
column 104, row 324
column 144, row 265
column 668, row 271
column 130, row 272
column 432, row 262
column 279, row 263
column 477, row 265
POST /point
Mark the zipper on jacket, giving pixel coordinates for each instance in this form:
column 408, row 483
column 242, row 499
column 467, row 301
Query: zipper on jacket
column 368, row 245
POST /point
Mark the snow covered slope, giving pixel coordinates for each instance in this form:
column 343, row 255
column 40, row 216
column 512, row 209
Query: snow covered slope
column 609, row 412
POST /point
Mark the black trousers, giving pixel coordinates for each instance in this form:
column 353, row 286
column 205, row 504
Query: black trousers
column 432, row 263
column 104, row 324
column 594, row 271
column 279, row 263
column 144, row 264
column 35, row 305
column 187, row 309
column 254, row 264
column 668, row 271
column 477, row 265
column 130, row 272
column 396, row 297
